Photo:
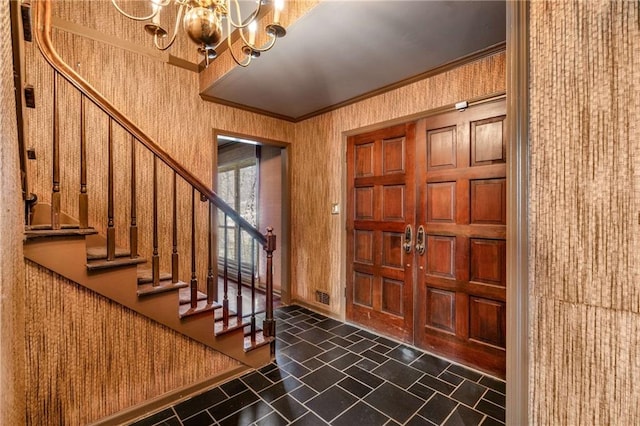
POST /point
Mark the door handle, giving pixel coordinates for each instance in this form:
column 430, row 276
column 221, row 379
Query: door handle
column 420, row 241
column 408, row 239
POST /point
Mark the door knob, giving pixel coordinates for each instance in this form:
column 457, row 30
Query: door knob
column 408, row 239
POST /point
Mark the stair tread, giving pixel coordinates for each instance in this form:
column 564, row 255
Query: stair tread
column 100, row 252
column 48, row 233
column 185, row 296
column 260, row 342
column 202, row 308
column 145, row 275
column 45, row 226
column 94, row 265
column 234, row 324
column 165, row 286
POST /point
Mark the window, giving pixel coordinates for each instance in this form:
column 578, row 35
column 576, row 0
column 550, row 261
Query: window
column 237, row 186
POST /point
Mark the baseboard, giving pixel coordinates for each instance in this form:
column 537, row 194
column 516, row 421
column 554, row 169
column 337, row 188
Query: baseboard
column 317, row 308
column 168, row 399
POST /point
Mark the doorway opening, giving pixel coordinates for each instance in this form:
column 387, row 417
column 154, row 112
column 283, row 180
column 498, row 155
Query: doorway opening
column 252, row 177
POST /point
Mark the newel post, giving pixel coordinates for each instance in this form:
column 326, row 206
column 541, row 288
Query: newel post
column 269, row 325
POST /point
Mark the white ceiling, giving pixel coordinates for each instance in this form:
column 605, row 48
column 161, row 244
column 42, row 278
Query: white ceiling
column 344, row 49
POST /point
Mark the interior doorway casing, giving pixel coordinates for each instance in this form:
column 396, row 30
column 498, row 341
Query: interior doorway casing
column 517, row 86
column 282, row 236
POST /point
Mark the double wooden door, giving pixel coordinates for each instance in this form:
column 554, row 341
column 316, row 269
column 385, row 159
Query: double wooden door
column 427, row 234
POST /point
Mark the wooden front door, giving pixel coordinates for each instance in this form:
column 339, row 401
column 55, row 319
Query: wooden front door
column 381, row 205
column 461, row 291
column 443, row 177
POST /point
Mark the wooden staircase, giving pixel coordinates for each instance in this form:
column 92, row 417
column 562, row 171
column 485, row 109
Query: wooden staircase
column 80, row 256
column 79, row 252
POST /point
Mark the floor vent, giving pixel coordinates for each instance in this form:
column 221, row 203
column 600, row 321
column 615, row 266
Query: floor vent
column 322, row 297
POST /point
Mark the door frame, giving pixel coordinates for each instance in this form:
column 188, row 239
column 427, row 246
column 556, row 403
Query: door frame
column 517, row 86
column 517, row 80
column 283, row 238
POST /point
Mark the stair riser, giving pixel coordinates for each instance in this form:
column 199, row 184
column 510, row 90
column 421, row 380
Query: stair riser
column 67, row 257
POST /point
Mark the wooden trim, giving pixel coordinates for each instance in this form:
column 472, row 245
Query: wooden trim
column 18, row 82
column 170, row 398
column 517, row 398
column 91, row 34
column 43, row 39
column 424, row 114
column 247, row 108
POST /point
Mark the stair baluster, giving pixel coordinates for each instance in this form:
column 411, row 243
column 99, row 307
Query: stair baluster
column 111, row 230
column 174, row 250
column 155, row 259
column 55, row 191
column 253, row 291
column 269, row 325
column 83, row 197
column 225, row 278
column 212, row 287
column 239, row 273
column 194, row 278
column 133, row 228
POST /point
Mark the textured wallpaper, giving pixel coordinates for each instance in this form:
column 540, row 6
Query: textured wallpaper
column 88, row 357
column 11, row 269
column 584, row 206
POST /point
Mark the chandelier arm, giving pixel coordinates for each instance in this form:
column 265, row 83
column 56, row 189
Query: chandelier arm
column 264, row 49
column 175, row 30
column 241, row 63
column 135, row 18
column 248, row 21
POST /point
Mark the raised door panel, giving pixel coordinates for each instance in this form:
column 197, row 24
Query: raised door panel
column 393, row 296
column 392, row 252
column 487, row 322
column 393, row 203
column 393, row 156
column 441, row 148
column 363, row 247
column 441, row 310
column 441, row 255
column 363, row 166
column 488, row 141
column 364, row 203
column 363, row 289
column 488, row 261
column 488, row 201
column 441, row 202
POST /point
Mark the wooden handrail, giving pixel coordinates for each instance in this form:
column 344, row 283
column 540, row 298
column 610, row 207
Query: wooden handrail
column 43, row 39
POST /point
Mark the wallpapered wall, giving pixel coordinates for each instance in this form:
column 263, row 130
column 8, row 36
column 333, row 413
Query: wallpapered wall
column 11, row 264
column 584, row 206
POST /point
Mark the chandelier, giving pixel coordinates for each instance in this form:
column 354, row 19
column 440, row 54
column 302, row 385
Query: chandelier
column 202, row 20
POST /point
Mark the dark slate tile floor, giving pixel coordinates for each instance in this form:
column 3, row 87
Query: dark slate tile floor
column 328, row 372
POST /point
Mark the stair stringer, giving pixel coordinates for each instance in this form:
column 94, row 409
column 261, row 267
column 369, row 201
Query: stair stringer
column 66, row 256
